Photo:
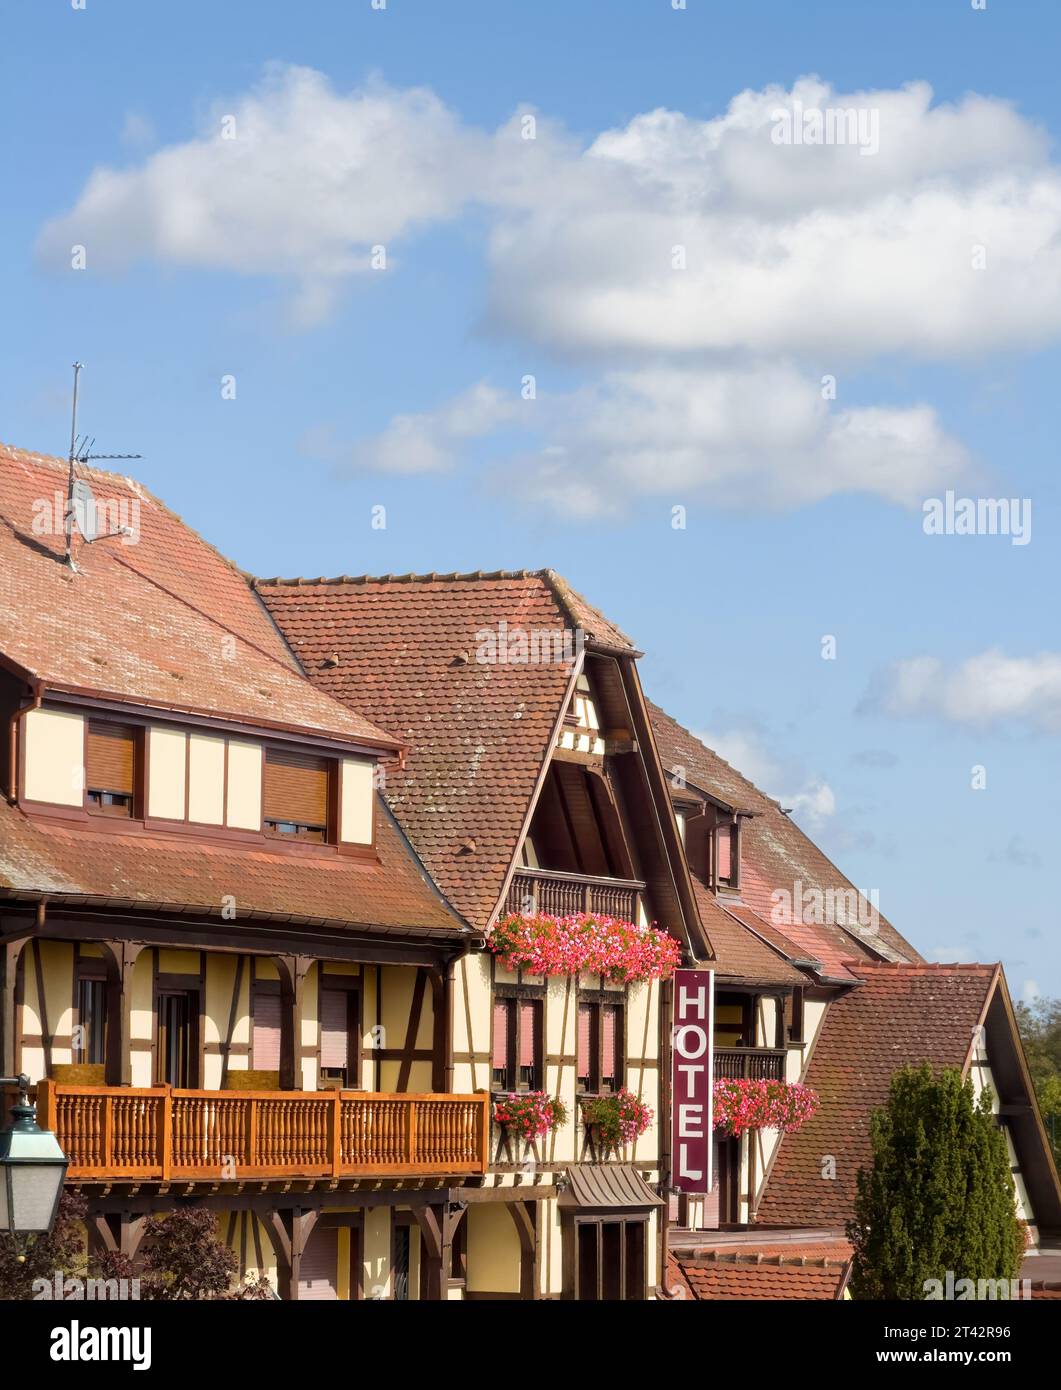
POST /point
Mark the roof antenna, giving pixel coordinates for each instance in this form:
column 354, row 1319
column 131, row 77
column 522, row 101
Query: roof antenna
column 80, row 503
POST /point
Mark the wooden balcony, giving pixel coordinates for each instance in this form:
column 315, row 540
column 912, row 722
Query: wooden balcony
column 165, row 1134
column 560, row 894
column 749, row 1064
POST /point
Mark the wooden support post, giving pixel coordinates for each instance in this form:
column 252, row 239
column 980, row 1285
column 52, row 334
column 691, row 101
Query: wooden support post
column 438, row 1225
column 439, row 1002
column 525, row 1217
column 289, row 1231
column 120, row 958
column 293, row 971
column 8, row 1004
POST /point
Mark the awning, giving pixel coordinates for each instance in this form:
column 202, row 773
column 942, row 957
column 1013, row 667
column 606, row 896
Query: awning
column 607, row 1187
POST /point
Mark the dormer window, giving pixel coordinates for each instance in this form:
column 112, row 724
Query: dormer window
column 296, row 795
column 727, row 854
column 110, row 768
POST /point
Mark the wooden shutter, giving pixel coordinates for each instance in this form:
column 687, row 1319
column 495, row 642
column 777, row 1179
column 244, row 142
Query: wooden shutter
column 110, row 757
column 725, row 852
column 267, row 1015
column 335, row 1028
column 584, row 1066
column 610, row 1045
column 502, row 1009
column 296, row 787
column 528, row 1032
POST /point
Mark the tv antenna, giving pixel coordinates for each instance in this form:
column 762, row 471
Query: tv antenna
column 79, row 499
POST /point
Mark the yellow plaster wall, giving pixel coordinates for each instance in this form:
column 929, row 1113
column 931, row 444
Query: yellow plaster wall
column 472, row 1022
column 55, row 757
column 358, row 798
column 206, row 779
column 167, row 751
column 244, row 811
column 142, row 1020
column 310, row 1029
column 57, row 966
column 493, row 1249
column 377, row 1252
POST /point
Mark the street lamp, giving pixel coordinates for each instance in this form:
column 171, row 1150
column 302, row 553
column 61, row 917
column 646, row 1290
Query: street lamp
column 32, row 1168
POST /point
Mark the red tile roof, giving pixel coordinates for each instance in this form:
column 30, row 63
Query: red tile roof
column 145, row 623
column 477, row 734
column 732, row 1277
column 899, row 1015
column 738, row 953
column 775, row 853
column 74, row 864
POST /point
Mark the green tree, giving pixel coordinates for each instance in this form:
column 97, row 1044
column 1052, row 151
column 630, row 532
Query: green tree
column 1040, row 1030
column 938, row 1196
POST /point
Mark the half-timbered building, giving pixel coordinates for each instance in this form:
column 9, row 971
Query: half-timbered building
column 530, row 784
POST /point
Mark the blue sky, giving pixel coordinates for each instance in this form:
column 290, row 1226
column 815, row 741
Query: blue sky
column 510, row 258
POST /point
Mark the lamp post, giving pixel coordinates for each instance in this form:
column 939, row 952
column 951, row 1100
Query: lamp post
column 32, row 1168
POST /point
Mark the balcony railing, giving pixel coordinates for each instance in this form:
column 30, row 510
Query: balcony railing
column 159, row 1132
column 749, row 1064
column 560, row 894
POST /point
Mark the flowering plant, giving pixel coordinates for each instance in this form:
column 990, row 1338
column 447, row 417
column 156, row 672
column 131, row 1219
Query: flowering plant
column 746, row 1104
column 620, row 951
column 619, row 1118
column 530, row 1114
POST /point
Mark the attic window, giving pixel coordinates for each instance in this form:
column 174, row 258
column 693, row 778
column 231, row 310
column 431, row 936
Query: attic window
column 727, row 854
column 296, row 795
column 110, row 768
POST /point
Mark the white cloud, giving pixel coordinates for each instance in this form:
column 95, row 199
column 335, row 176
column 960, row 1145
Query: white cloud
column 312, row 180
column 811, row 248
column 430, row 441
column 795, row 248
column 986, row 689
column 741, row 437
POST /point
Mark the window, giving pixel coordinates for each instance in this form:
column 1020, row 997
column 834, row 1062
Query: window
column 727, row 855
column 178, row 1032
column 611, row 1260
column 110, row 768
column 339, row 1034
column 265, row 1041
column 296, row 795
column 734, row 1021
column 90, row 1033
column 794, row 1009
column 600, row 1046
column 517, row 1051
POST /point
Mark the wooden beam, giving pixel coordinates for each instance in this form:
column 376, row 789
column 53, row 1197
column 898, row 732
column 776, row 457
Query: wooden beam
column 9, row 972
column 120, row 958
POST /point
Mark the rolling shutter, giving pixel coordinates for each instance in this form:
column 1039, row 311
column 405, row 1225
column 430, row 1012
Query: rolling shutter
column 725, row 851
column 585, row 1042
column 319, row 1269
column 502, row 1008
column 110, row 757
column 335, row 1028
column 610, row 1047
column 529, row 1015
column 296, row 787
column 267, row 1015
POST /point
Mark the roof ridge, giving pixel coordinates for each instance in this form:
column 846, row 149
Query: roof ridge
column 410, row 577
column 922, row 967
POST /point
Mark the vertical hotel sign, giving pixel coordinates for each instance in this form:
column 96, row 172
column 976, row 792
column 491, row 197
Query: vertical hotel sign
column 692, row 1062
